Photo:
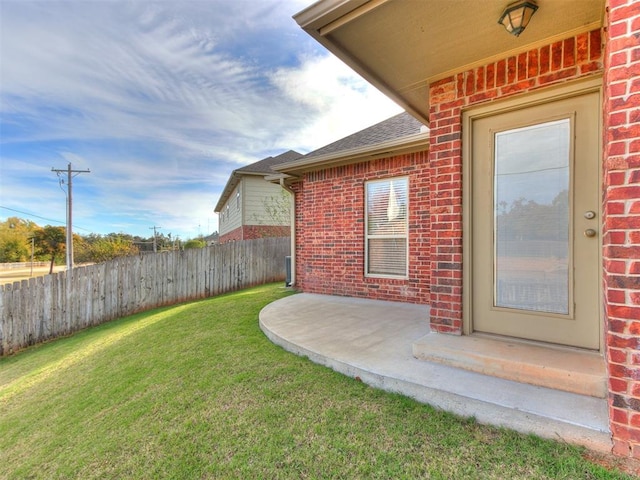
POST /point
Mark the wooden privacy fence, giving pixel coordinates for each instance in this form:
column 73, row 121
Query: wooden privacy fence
column 42, row 308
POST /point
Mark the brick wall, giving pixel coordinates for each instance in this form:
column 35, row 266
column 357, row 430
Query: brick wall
column 252, row 232
column 551, row 64
column 232, row 236
column 621, row 239
column 330, row 230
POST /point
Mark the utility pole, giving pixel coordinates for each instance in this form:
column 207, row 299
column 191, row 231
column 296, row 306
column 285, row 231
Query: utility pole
column 33, row 247
column 155, row 244
column 70, row 175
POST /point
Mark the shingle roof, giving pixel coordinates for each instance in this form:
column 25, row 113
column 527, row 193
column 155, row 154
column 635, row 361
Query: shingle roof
column 264, row 165
column 398, row 126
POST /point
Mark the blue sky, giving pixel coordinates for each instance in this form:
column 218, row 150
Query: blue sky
column 161, row 101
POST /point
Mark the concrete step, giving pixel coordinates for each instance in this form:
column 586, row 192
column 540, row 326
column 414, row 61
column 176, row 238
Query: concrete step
column 565, row 369
column 372, row 340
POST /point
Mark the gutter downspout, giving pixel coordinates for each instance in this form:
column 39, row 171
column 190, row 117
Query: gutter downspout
column 293, row 230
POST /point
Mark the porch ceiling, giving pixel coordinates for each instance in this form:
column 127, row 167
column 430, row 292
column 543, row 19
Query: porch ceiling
column 401, row 46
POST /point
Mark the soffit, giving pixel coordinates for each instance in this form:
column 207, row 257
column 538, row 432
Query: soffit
column 401, row 46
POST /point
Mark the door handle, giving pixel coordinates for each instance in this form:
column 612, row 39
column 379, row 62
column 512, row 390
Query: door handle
column 590, row 232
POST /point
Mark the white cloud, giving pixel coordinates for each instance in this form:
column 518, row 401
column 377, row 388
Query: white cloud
column 341, row 102
column 161, row 100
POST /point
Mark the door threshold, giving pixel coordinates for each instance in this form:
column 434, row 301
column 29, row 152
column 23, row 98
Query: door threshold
column 566, row 369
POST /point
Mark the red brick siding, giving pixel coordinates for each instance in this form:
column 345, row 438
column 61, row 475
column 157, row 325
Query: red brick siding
column 330, row 230
column 262, row 231
column 250, row 232
column 232, row 236
column 561, row 61
column 621, row 237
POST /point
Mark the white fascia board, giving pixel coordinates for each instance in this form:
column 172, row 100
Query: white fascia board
column 234, row 180
column 275, row 178
column 323, row 12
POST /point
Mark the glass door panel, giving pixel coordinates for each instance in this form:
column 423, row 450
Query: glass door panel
column 531, row 218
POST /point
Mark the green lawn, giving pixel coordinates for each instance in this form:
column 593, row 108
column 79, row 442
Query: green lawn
column 196, row 391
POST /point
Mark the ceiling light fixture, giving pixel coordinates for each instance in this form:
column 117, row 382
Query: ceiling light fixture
column 516, row 16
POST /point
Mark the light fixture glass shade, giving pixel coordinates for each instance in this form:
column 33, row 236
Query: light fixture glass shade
column 516, row 16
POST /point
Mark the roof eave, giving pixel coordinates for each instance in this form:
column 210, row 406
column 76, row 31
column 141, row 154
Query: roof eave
column 404, row 47
column 277, row 177
column 314, row 20
column 400, row 146
column 232, row 183
column 313, row 16
column 234, row 180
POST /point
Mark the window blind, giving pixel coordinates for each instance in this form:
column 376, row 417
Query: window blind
column 387, row 227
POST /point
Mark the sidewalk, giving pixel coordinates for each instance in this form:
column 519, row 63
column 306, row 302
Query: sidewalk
column 372, row 340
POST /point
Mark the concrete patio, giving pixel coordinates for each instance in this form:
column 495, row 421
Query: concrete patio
column 375, row 341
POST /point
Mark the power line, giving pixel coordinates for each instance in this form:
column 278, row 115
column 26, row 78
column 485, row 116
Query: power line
column 537, row 170
column 41, row 218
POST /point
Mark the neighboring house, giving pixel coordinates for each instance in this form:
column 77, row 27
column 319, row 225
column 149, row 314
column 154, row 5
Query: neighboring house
column 251, row 207
column 212, row 239
column 523, row 219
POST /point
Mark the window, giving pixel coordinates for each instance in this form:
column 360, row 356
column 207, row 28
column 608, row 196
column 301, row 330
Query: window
column 386, row 229
column 238, row 199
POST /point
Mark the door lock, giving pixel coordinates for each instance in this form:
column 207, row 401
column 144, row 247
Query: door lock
column 589, row 214
column 590, row 232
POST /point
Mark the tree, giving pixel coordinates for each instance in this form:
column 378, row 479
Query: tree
column 527, row 219
column 50, row 241
column 15, row 243
column 112, row 247
column 81, row 247
column 13, row 250
column 95, row 248
column 195, row 243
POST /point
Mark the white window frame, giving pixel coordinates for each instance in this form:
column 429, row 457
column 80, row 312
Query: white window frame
column 401, row 235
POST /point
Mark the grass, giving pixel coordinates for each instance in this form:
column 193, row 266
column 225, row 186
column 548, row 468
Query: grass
column 197, row 391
